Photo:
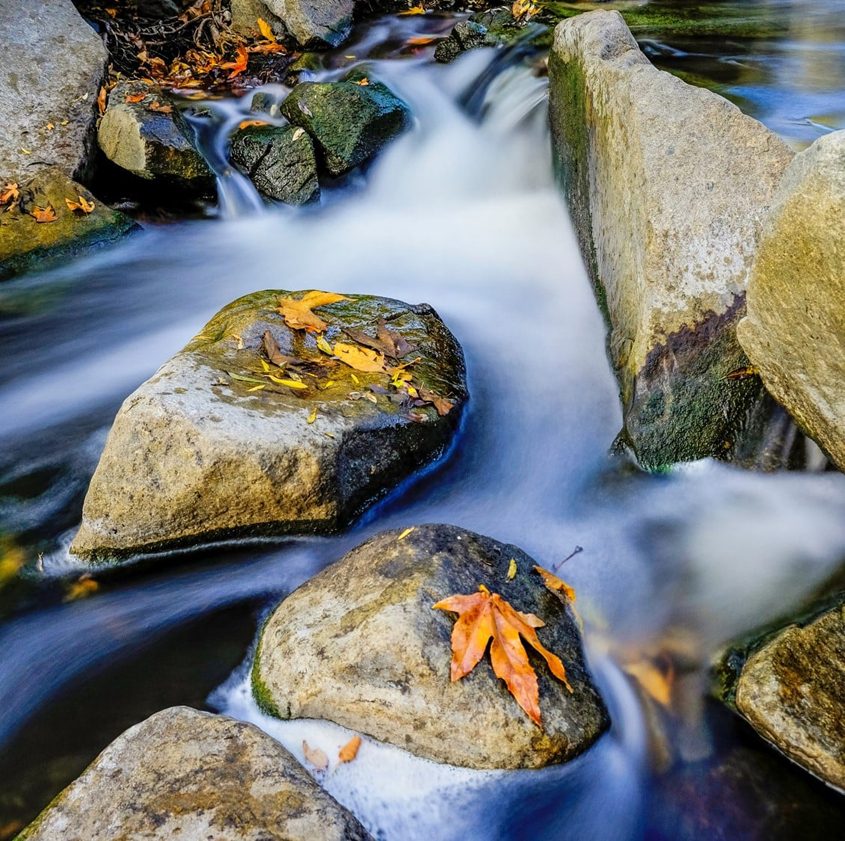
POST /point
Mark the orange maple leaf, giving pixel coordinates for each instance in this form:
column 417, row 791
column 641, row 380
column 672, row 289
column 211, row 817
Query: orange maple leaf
column 83, row 205
column 486, row 616
column 43, row 214
column 555, row 584
column 237, row 67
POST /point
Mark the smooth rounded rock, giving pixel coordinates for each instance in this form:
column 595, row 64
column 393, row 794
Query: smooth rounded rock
column 360, row 645
column 212, row 448
column 194, row 776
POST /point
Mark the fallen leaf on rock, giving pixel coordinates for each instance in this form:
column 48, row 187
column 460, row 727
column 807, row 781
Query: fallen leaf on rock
column 359, row 358
column 524, row 10
column 405, row 533
column 350, row 750
column 414, row 10
column 512, row 569
column 43, row 214
column 243, row 379
column 82, row 205
column 9, row 194
column 239, row 65
column 555, row 584
column 155, row 105
column 295, row 384
column 441, row 404
column 83, row 587
column 298, row 313
column 265, row 30
column 363, row 82
column 324, row 346
column 743, row 373
column 313, row 416
column 315, row 756
column 135, row 97
column 385, row 341
column 274, row 354
column 250, row 123
column 486, row 616
column 101, row 100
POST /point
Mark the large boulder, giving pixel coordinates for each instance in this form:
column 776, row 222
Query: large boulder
column 27, row 244
column 279, row 160
column 360, row 645
column 668, row 186
column 794, row 330
column 350, row 120
column 224, row 442
column 145, row 134
column 51, row 67
column 192, row 775
column 313, row 23
column 790, row 686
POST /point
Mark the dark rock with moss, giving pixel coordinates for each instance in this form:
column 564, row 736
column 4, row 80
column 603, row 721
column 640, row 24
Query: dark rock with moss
column 668, row 186
column 487, row 28
column 360, row 645
column 789, row 684
column 465, row 35
column 27, row 245
column 145, row 134
column 189, row 774
column 279, row 160
column 350, row 121
column 223, row 442
column 51, row 67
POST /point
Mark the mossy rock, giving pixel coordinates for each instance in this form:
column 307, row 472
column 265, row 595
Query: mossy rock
column 211, row 447
column 28, row 245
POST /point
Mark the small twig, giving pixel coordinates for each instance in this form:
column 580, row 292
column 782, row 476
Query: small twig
column 572, row 554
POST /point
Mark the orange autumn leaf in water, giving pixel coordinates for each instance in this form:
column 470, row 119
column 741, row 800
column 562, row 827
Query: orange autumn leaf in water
column 555, row 584
column 297, row 312
column 486, row 616
column 350, row 750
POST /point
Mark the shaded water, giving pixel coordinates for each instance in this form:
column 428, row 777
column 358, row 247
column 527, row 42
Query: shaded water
column 461, row 213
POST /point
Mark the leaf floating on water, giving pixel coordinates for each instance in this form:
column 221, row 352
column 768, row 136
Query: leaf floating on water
column 405, row 533
column 43, row 214
column 298, row 313
column 486, row 616
column 359, row 358
column 555, row 584
column 315, row 756
column 83, row 587
column 414, row 10
column 512, row 569
column 350, row 750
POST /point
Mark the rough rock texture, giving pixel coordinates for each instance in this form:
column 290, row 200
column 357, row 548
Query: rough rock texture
column 279, row 160
column 360, row 645
column 194, row 776
column 150, row 144
column 26, row 244
column 313, row 23
column 465, row 35
column 791, row 689
column 794, row 331
column 198, row 453
column 668, row 185
column 349, row 122
column 51, row 67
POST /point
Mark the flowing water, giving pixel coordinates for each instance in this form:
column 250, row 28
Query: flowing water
column 463, row 213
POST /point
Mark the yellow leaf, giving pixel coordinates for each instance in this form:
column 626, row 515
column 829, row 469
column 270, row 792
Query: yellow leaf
column 257, row 387
column 405, row 533
column 82, row 205
column 313, row 416
column 363, row 82
column 265, row 30
column 324, row 346
column 350, row 750
column 297, row 312
column 359, row 358
column 81, row 588
column 289, row 383
column 43, row 214
column 414, row 10
column 355, row 379
column 512, row 569
column 265, row 366
column 555, row 584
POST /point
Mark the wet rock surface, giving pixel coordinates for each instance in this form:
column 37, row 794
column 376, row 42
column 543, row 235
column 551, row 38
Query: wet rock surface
column 51, row 68
column 211, row 447
column 668, row 186
column 280, row 162
column 26, row 244
column 360, row 645
column 794, row 330
column 193, row 775
column 313, row 23
column 350, row 121
column 144, row 134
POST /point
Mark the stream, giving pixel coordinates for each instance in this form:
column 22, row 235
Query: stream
column 462, row 213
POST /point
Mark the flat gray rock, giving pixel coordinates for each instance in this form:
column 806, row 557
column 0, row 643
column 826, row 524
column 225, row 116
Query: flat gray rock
column 794, row 331
column 360, row 645
column 668, row 186
column 211, row 447
column 51, row 67
column 194, row 776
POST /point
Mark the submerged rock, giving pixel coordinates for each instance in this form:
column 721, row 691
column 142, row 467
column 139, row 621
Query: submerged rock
column 193, row 775
column 360, row 645
column 51, row 67
column 668, row 186
column 279, row 160
column 26, row 244
column 790, row 686
column 146, row 135
column 211, row 447
column 350, row 121
column 313, row 23
column 794, row 331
